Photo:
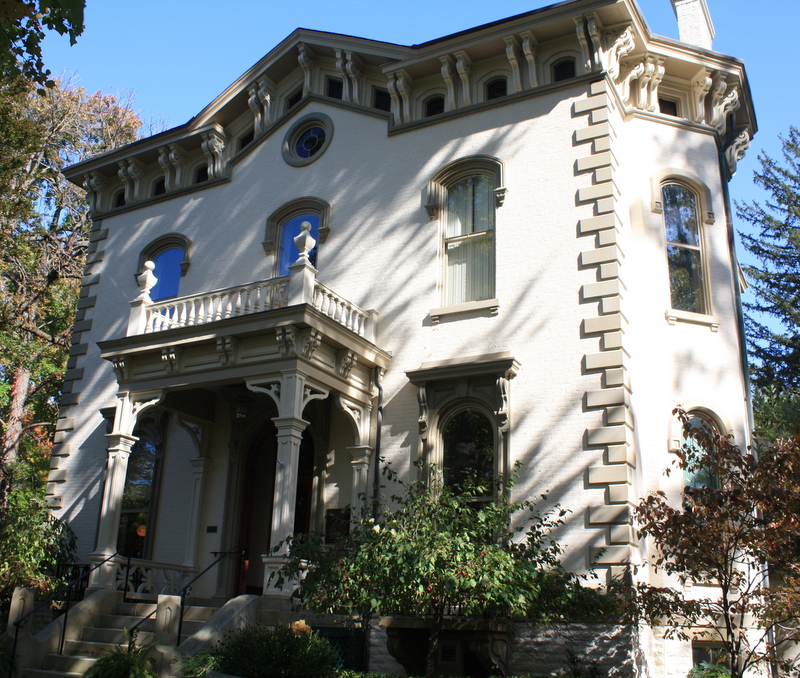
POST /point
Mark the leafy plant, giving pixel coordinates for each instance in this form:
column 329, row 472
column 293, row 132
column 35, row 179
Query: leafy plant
column 709, row 670
column 199, row 665
column 740, row 536
column 259, row 651
column 34, row 542
column 129, row 661
column 436, row 550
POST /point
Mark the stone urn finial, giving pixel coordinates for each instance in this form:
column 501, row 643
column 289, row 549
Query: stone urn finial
column 304, row 242
column 146, row 281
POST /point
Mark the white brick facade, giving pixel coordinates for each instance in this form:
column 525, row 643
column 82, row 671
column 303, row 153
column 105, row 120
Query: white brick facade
column 579, row 357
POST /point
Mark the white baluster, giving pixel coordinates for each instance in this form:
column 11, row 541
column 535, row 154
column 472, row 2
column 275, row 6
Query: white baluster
column 192, row 311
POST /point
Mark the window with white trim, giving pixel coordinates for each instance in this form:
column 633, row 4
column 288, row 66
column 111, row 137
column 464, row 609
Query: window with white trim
column 464, row 196
column 684, row 239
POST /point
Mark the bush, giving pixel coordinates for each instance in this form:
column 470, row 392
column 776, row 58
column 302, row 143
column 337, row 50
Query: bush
column 129, row 661
column 259, row 651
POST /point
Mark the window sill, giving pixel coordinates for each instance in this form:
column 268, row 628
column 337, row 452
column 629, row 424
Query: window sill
column 491, row 305
column 674, row 315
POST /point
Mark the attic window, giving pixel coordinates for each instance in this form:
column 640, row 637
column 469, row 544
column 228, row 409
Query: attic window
column 668, row 107
column 201, row 174
column 434, row 106
column 335, row 88
column 564, row 70
column 381, row 99
column 247, row 138
column 159, row 187
column 119, row 199
column 294, row 99
column 496, row 89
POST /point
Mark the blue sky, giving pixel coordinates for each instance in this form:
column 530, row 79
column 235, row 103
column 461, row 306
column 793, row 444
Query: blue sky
column 177, row 55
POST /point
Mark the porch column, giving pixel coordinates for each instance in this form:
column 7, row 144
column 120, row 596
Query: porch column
column 199, row 466
column 359, row 463
column 290, row 434
column 119, row 449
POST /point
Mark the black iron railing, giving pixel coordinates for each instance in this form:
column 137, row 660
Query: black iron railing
column 75, row 587
column 183, row 593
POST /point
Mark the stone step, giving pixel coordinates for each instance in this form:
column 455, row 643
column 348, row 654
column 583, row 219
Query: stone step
column 44, row 673
column 135, row 609
column 88, row 648
column 118, row 621
column 66, row 663
column 114, row 635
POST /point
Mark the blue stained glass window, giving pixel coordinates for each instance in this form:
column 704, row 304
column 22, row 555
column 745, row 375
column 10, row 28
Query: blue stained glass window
column 310, row 142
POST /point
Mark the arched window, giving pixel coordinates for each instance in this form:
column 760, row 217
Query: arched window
column 170, row 254
column 563, row 70
column 138, row 508
column 684, row 248
column 434, row 106
column 496, row 88
column 464, row 196
column 159, row 186
column 201, row 174
column 697, row 438
column 119, row 198
column 283, row 226
column 468, row 449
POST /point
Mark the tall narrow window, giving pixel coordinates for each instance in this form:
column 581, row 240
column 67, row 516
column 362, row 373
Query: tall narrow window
column 468, row 449
column 469, row 239
column 138, row 495
column 684, row 249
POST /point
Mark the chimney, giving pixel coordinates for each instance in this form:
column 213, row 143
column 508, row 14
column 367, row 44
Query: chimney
column 694, row 22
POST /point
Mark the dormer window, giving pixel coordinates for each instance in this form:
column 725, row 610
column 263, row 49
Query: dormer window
column 496, row 88
column 564, row 70
column 201, row 174
column 334, row 88
column 294, row 99
column 247, row 138
column 381, row 99
column 434, row 106
column 668, row 107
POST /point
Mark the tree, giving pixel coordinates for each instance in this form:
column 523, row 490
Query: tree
column 22, row 25
column 44, row 234
column 777, row 412
column 775, row 243
column 738, row 535
column 437, row 551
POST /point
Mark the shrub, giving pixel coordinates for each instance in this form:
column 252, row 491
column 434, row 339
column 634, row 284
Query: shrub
column 259, row 651
column 129, row 661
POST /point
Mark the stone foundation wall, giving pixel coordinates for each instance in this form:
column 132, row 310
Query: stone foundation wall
column 541, row 650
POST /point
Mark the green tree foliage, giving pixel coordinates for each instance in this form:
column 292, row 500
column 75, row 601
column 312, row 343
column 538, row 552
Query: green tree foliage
column 436, row 551
column 739, row 536
column 777, row 412
column 44, row 236
column 22, row 26
column 775, row 243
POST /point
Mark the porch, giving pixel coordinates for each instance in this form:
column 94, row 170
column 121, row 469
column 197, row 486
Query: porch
column 243, row 415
